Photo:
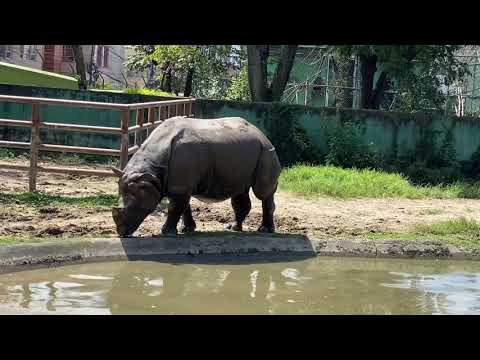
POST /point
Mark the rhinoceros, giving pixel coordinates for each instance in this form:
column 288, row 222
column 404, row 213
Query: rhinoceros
column 212, row 160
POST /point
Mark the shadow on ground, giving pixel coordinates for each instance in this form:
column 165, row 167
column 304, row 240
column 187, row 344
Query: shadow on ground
column 219, row 248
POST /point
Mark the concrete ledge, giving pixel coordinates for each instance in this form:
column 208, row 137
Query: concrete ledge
column 17, row 257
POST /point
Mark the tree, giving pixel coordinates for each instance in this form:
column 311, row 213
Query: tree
column 409, row 67
column 142, row 61
column 239, row 89
column 343, row 70
column 198, row 70
column 258, row 56
column 80, row 66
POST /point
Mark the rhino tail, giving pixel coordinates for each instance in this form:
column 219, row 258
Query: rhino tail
column 266, row 174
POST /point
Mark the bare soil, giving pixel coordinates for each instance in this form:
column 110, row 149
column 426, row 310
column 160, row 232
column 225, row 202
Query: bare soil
column 324, row 217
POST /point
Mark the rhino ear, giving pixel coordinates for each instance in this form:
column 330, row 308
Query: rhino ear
column 117, row 171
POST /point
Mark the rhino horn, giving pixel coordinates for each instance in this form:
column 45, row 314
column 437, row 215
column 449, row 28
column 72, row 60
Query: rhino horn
column 117, row 171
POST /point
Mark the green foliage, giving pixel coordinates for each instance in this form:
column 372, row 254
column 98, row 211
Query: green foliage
column 208, row 64
column 289, row 137
column 152, row 92
column 239, row 89
column 416, row 71
column 354, row 183
column 431, row 162
column 140, row 59
column 347, row 150
column 471, row 168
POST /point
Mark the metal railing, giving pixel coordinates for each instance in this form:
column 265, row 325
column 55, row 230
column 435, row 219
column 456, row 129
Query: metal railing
column 157, row 111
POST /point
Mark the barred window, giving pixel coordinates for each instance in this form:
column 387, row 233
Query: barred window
column 67, row 53
column 5, row 51
column 102, row 56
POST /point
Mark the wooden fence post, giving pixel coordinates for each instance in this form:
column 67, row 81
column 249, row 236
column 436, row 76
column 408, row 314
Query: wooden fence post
column 124, row 139
column 34, row 145
column 152, row 115
column 139, row 122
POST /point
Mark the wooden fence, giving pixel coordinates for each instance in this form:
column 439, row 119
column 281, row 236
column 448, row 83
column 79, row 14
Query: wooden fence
column 156, row 113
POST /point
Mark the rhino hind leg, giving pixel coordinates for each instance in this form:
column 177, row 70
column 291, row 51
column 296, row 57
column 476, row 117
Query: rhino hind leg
column 268, row 208
column 241, row 207
column 176, row 207
column 188, row 225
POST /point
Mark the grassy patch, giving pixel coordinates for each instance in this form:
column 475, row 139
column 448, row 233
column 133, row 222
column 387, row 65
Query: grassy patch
column 433, row 211
column 460, row 232
column 38, row 199
column 353, row 183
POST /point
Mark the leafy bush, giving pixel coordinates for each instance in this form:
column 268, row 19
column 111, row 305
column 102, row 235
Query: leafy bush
column 289, row 137
column 152, row 92
column 239, row 89
column 346, row 149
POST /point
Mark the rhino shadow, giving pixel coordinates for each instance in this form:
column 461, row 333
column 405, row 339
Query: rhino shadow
column 219, row 248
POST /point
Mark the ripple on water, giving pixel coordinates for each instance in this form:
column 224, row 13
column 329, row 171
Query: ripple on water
column 317, row 286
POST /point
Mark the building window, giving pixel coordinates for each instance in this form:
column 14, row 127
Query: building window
column 67, row 53
column 105, row 56
column 30, row 52
column 102, row 56
column 5, row 51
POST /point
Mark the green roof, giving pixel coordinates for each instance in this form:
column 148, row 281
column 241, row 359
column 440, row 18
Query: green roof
column 22, row 75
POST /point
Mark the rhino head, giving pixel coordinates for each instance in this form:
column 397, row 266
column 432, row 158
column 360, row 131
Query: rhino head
column 139, row 194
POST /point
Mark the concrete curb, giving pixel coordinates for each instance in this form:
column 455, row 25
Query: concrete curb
column 17, row 257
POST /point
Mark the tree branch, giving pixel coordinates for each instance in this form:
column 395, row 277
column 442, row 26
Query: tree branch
column 282, row 72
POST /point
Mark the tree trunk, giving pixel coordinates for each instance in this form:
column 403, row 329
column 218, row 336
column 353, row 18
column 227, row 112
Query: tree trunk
column 168, row 81
column 151, row 76
column 368, row 65
column 189, row 82
column 257, row 71
column 282, row 72
column 80, row 66
column 377, row 95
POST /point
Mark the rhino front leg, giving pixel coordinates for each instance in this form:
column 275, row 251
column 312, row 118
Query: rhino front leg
column 241, row 207
column 188, row 222
column 268, row 208
column 176, row 207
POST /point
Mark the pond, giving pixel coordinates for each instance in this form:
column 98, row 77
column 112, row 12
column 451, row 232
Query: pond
column 298, row 286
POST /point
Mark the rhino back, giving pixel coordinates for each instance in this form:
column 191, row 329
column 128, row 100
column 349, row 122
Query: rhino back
column 215, row 158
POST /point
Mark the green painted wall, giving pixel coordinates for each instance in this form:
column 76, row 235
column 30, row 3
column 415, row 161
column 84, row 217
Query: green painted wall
column 392, row 133
column 21, row 75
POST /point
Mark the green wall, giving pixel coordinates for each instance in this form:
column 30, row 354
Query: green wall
column 392, row 133
column 21, row 75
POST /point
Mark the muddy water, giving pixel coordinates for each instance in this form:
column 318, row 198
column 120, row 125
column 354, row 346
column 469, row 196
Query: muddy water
column 312, row 286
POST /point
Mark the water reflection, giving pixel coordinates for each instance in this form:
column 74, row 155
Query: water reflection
column 314, row 286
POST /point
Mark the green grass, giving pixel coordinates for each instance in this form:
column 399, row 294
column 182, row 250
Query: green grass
column 460, row 232
column 433, row 211
column 353, row 183
column 39, row 199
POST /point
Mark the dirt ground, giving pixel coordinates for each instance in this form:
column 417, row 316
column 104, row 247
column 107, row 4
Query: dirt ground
column 324, row 217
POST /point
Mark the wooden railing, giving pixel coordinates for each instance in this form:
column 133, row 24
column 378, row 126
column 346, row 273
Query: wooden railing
column 157, row 112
